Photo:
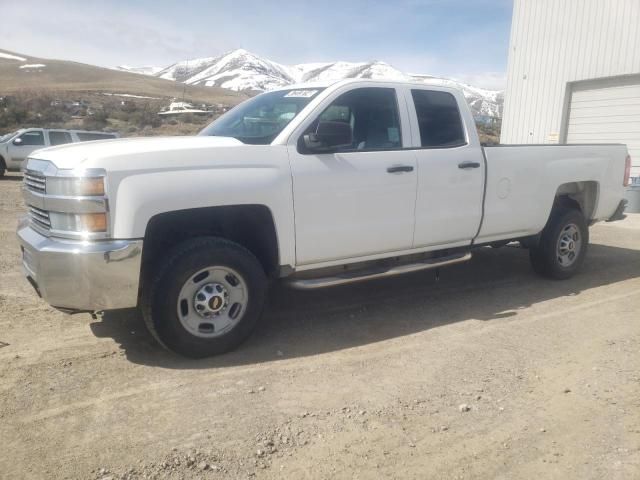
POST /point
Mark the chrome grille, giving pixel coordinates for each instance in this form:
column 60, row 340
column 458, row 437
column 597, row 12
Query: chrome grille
column 35, row 181
column 39, row 218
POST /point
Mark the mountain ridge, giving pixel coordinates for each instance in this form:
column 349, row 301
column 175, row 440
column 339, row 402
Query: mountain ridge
column 244, row 71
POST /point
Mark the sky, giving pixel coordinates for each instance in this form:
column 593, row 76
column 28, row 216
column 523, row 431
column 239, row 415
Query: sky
column 463, row 39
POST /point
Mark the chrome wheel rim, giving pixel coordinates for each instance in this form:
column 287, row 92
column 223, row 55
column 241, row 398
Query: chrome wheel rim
column 212, row 301
column 569, row 245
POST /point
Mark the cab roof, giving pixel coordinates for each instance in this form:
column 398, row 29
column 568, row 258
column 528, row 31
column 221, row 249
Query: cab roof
column 363, row 81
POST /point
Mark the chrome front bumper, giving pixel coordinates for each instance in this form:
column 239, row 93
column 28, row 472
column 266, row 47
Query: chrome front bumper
column 81, row 276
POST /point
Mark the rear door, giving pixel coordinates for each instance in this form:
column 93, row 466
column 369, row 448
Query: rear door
column 59, row 137
column 360, row 199
column 451, row 169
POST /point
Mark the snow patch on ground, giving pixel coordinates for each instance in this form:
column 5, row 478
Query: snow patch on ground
column 129, row 95
column 12, row 57
column 32, row 65
column 144, row 70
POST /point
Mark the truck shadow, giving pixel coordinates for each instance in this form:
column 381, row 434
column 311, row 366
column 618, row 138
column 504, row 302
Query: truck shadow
column 493, row 286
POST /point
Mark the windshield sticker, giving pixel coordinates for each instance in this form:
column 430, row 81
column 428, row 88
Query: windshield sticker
column 301, row 93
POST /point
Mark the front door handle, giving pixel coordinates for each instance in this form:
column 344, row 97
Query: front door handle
column 465, row 165
column 400, row 168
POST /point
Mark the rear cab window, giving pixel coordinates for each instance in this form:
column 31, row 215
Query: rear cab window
column 439, row 119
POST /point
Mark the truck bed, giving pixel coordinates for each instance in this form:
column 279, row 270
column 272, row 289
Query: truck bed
column 522, row 182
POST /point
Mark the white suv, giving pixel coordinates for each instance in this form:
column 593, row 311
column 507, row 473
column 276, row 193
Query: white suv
column 16, row 146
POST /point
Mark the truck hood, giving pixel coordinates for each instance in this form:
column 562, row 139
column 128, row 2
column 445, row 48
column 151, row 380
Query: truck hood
column 99, row 153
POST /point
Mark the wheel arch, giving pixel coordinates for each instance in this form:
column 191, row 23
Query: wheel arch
column 581, row 195
column 251, row 226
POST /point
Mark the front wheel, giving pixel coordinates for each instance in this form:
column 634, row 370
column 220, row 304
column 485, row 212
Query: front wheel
column 562, row 245
column 205, row 298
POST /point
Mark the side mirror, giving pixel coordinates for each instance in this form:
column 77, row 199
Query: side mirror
column 17, row 141
column 329, row 136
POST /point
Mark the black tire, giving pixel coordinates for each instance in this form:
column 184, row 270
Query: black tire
column 544, row 256
column 159, row 300
column 3, row 167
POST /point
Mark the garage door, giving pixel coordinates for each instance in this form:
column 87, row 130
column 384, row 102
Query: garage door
column 607, row 111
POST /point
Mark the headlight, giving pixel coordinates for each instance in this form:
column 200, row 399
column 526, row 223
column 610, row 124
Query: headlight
column 75, row 186
column 67, row 203
column 78, row 222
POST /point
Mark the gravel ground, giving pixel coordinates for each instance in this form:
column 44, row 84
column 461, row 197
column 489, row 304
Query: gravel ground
column 492, row 372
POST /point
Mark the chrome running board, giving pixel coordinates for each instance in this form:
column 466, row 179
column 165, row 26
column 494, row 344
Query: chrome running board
column 351, row 277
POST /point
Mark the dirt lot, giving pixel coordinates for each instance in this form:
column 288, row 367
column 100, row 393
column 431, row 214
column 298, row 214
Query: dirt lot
column 491, row 372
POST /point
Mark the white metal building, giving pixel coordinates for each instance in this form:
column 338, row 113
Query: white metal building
column 574, row 74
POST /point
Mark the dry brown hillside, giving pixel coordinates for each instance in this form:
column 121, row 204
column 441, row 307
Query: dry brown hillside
column 67, row 76
column 63, row 94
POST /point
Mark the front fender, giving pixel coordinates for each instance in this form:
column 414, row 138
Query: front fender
column 141, row 196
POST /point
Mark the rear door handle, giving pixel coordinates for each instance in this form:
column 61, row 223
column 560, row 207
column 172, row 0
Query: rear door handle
column 465, row 165
column 400, row 168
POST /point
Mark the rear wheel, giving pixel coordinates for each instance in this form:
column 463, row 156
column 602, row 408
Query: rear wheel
column 3, row 167
column 562, row 245
column 206, row 297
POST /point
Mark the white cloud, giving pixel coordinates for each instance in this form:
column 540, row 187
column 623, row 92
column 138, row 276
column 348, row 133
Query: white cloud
column 94, row 33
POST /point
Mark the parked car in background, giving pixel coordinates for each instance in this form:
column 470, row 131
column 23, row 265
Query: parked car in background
column 16, row 146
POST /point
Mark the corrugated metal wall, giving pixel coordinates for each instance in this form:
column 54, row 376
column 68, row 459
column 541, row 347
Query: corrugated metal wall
column 554, row 42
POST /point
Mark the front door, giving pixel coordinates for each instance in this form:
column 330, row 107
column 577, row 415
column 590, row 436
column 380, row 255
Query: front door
column 23, row 145
column 358, row 200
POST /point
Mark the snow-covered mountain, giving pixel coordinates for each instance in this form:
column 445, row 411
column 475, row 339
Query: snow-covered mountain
column 241, row 70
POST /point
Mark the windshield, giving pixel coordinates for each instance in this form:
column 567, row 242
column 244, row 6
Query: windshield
column 258, row 121
column 8, row 136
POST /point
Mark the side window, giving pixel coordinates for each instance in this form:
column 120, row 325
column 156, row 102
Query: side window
column 438, row 118
column 32, row 138
column 337, row 113
column 59, row 138
column 371, row 112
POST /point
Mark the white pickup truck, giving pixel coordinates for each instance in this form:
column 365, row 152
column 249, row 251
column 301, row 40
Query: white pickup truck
column 318, row 185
